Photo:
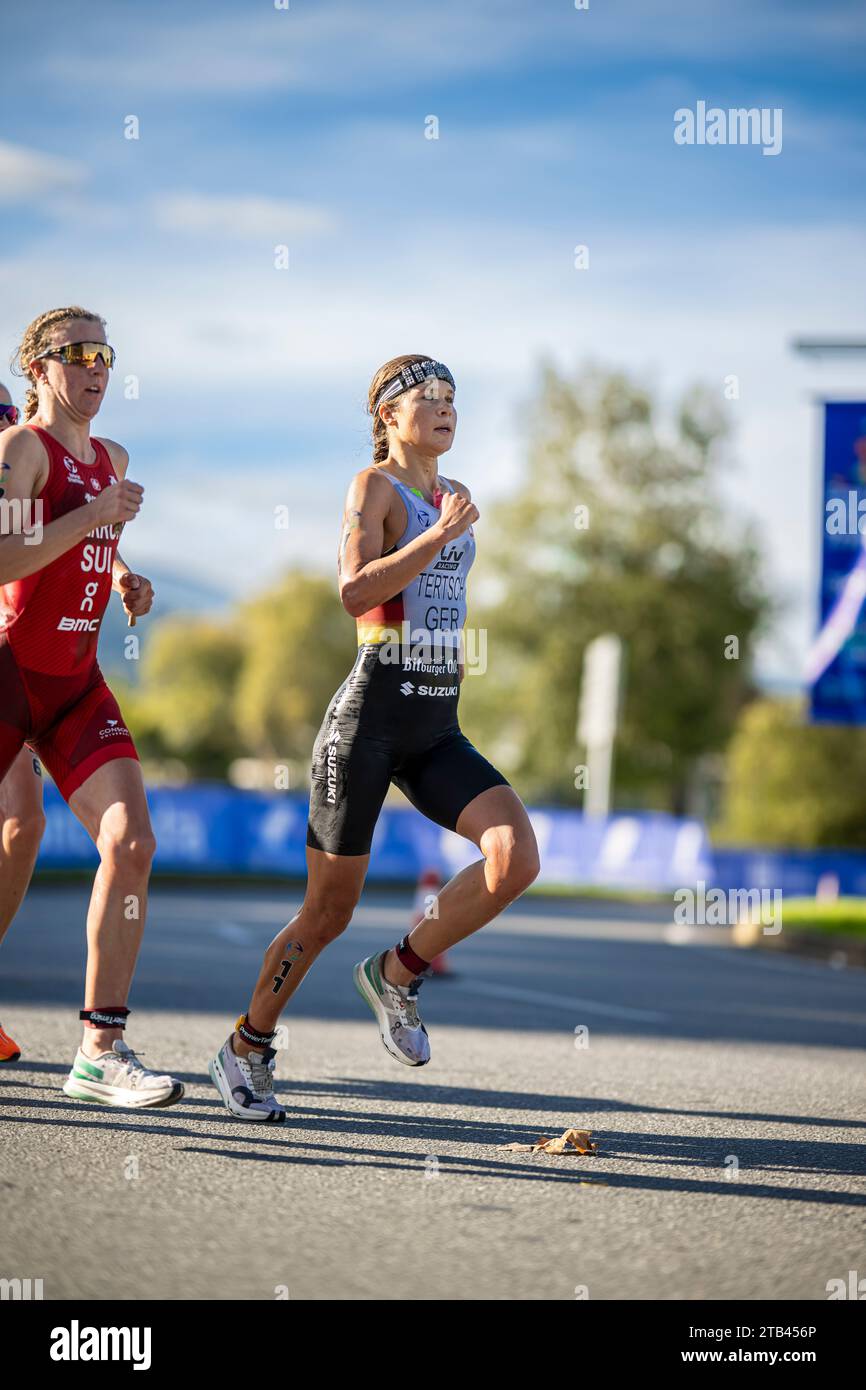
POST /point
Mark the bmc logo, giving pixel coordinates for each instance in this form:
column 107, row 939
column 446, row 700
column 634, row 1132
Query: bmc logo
column 78, row 624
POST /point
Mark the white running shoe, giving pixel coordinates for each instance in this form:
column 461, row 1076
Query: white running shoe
column 396, row 1011
column 118, row 1078
column 246, row 1084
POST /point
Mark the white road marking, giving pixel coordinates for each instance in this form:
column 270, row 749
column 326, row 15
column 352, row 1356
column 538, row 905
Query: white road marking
column 779, row 960
column 231, row 931
column 557, row 1001
column 800, row 1014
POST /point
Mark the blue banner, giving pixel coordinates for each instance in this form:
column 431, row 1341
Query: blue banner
column 796, row 873
column 836, row 666
column 221, row 830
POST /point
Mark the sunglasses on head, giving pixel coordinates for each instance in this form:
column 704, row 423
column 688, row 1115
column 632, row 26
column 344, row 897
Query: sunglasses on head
column 10, row 411
column 81, row 354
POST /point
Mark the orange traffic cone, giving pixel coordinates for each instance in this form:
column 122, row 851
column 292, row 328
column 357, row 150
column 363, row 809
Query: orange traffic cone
column 429, row 884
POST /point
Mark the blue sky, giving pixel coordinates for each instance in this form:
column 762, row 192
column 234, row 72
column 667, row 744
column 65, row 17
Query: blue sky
column 305, row 127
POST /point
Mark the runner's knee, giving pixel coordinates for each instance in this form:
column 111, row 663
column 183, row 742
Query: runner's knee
column 512, row 865
column 22, row 834
column 328, row 918
column 126, row 848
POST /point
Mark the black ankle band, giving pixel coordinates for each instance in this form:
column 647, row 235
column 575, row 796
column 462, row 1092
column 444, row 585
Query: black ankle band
column 409, row 958
column 251, row 1035
column 104, row 1018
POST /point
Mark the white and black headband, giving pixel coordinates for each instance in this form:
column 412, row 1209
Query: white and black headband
column 413, row 374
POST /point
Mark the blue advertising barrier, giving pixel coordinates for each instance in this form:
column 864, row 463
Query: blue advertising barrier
column 217, row 829
column 796, row 873
column 221, row 830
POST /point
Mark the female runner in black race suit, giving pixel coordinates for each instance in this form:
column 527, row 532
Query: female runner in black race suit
column 406, row 548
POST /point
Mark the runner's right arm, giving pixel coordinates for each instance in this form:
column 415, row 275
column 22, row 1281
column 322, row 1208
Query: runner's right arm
column 367, row 577
column 25, row 544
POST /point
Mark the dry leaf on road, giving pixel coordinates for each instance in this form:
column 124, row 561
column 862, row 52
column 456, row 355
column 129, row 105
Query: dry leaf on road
column 578, row 1139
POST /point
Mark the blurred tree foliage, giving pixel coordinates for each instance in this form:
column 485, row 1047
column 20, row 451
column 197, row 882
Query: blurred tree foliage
column 793, row 784
column 256, row 685
column 299, row 646
column 183, row 707
column 652, row 558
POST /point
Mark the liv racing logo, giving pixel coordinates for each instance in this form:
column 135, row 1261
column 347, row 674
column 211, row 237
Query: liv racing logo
column 449, row 559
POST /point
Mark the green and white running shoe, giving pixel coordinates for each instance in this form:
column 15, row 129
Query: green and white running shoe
column 118, row 1078
column 396, row 1011
column 246, row 1084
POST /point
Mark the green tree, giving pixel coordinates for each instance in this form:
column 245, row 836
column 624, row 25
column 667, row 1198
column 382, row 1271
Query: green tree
column 184, row 708
column 614, row 528
column 794, row 784
column 300, row 644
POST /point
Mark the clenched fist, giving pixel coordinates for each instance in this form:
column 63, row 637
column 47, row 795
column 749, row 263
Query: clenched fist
column 457, row 515
column 137, row 594
column 117, row 504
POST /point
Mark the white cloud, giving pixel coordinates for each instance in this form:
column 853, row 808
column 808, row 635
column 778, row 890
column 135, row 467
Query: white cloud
column 223, row 528
column 218, row 56
column 350, row 47
column 239, row 215
column 28, row 175
column 335, row 48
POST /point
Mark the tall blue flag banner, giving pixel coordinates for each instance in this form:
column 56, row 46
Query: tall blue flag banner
column 836, row 664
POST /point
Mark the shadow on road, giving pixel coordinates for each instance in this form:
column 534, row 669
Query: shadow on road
column 692, row 1152
column 399, row 1091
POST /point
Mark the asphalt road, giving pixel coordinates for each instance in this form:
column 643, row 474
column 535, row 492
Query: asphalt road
column 726, row 1092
